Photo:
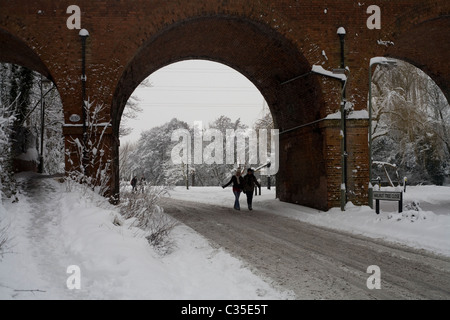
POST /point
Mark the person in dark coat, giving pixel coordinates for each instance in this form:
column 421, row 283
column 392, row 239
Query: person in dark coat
column 134, row 184
column 250, row 182
column 237, row 182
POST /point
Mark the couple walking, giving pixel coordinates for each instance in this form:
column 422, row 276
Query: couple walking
column 243, row 184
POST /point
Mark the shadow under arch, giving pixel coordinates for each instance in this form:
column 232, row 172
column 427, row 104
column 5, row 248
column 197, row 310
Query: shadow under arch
column 16, row 51
column 427, row 47
column 256, row 51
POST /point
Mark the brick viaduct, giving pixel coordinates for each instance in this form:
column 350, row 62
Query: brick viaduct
column 268, row 41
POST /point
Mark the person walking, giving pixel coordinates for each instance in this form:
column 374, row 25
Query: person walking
column 237, row 182
column 142, row 185
column 134, row 184
column 250, row 182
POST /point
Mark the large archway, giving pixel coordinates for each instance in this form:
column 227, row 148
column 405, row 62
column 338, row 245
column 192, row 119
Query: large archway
column 268, row 60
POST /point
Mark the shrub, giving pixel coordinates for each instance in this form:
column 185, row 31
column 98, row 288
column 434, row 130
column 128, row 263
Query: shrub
column 148, row 215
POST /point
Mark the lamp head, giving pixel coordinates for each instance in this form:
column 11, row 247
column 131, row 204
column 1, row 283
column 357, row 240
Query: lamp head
column 341, row 32
column 84, row 33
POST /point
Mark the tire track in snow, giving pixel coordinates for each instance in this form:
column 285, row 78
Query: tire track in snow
column 316, row 262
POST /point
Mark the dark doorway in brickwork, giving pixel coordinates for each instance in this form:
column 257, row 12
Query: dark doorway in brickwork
column 411, row 127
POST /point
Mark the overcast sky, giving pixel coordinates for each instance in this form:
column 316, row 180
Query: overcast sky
column 195, row 90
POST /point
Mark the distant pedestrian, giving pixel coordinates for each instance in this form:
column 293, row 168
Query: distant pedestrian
column 237, row 182
column 250, row 182
column 142, row 184
column 134, row 184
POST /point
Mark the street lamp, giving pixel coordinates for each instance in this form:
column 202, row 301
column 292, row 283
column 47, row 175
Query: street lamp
column 373, row 62
column 41, row 156
column 341, row 33
column 84, row 34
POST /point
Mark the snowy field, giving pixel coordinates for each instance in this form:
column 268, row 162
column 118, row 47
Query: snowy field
column 427, row 229
column 51, row 229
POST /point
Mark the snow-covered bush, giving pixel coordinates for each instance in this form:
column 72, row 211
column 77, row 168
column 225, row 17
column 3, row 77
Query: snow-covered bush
column 148, row 215
column 91, row 168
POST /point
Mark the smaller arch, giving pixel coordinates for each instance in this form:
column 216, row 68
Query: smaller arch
column 252, row 49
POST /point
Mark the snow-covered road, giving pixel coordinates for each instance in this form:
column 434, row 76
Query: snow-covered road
column 317, row 262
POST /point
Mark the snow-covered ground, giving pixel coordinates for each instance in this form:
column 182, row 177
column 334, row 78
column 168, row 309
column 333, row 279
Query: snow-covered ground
column 426, row 229
column 51, row 229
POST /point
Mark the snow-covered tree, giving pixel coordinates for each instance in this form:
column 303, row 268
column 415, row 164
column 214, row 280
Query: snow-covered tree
column 7, row 182
column 266, row 123
column 216, row 174
column 21, row 89
column 132, row 110
column 151, row 157
column 411, row 124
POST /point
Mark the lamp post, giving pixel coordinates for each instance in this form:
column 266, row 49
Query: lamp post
column 341, row 33
column 373, row 62
column 84, row 34
column 41, row 155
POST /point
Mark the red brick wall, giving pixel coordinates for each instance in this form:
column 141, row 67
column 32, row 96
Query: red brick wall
column 268, row 41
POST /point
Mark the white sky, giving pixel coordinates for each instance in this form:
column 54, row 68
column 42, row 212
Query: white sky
column 195, row 90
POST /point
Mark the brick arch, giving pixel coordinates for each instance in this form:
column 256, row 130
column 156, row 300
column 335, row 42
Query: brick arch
column 258, row 52
column 15, row 51
column 426, row 46
column 255, row 50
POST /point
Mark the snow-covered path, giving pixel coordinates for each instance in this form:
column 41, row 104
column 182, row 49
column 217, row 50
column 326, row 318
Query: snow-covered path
column 45, row 238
